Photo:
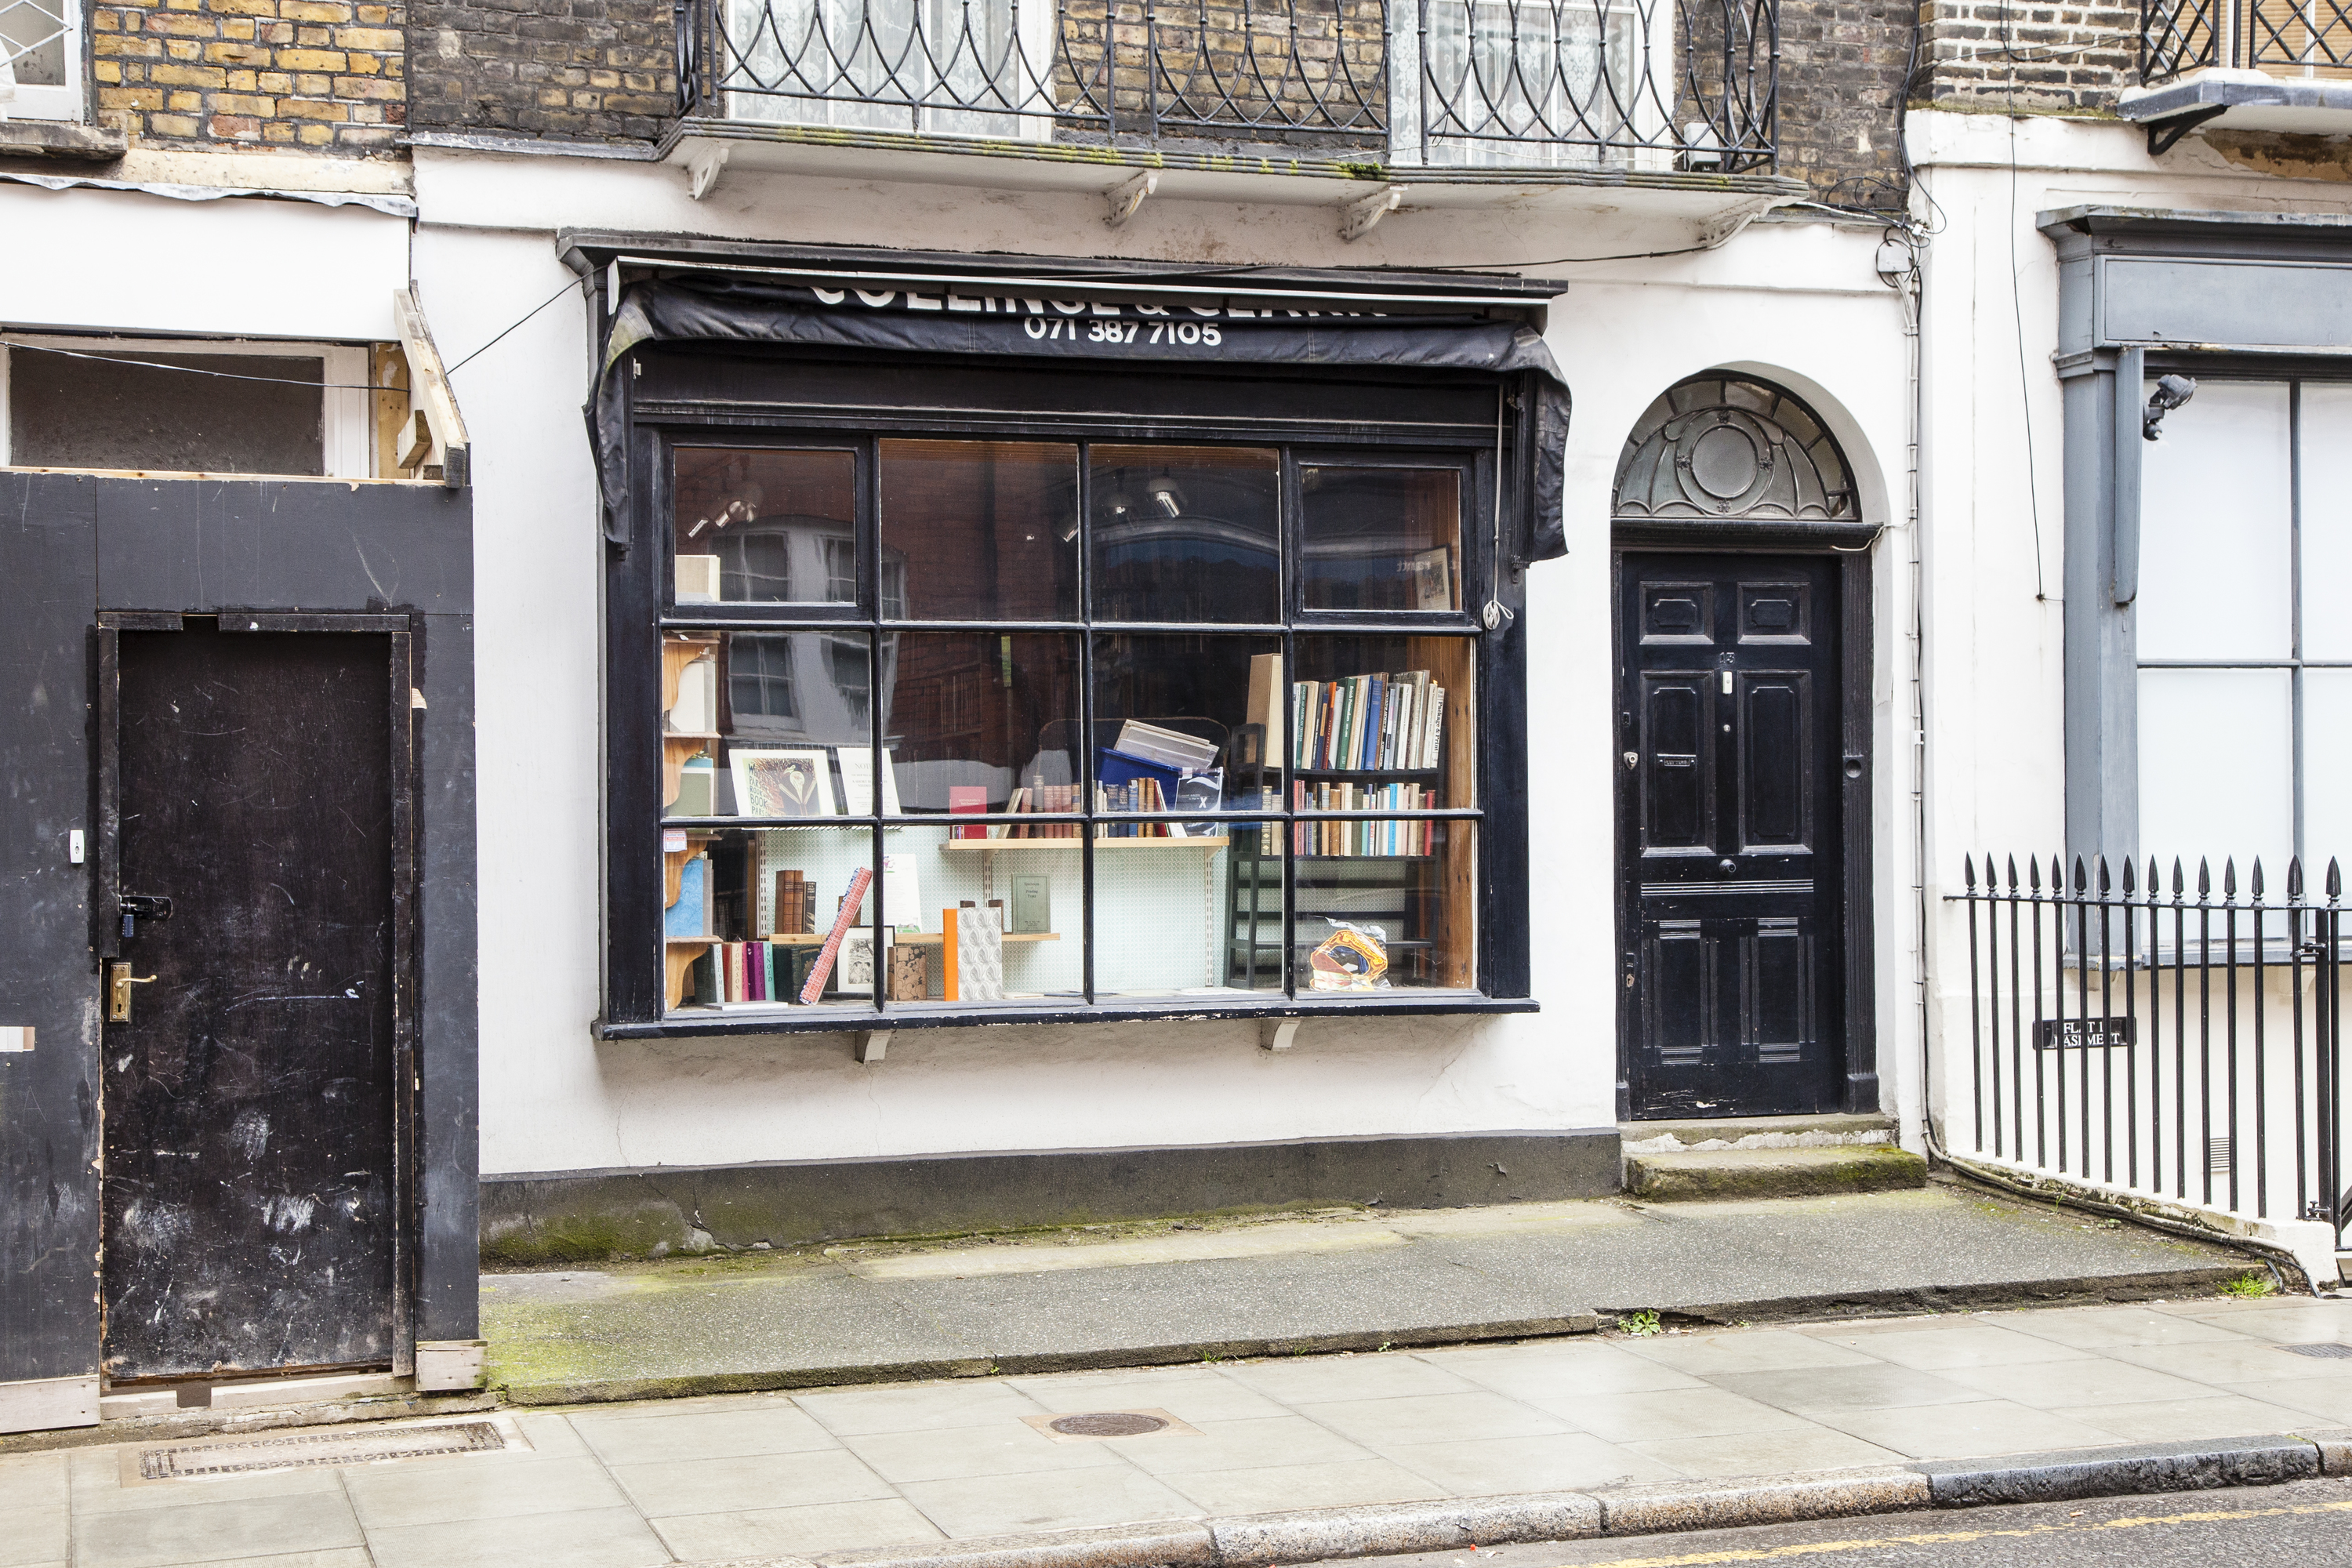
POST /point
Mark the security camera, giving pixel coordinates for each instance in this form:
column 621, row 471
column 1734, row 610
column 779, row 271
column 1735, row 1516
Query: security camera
column 2171, row 392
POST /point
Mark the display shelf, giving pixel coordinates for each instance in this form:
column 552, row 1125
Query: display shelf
column 989, row 845
column 1365, row 772
column 909, row 937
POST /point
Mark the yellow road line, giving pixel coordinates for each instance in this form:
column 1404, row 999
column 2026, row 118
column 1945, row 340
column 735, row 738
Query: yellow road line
column 1945, row 1537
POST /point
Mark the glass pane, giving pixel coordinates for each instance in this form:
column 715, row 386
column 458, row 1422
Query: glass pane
column 770, row 723
column 2327, row 520
column 981, row 921
column 1372, row 718
column 1173, row 722
column 1186, row 533
column 748, row 912
column 1173, row 917
column 2215, row 761
column 980, row 722
column 989, row 530
column 2215, row 527
column 1383, row 905
column 102, row 413
column 1381, row 539
column 2327, row 773
column 766, row 526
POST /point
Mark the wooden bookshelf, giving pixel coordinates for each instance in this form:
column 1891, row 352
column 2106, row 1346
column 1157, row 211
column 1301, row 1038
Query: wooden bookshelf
column 1017, row 845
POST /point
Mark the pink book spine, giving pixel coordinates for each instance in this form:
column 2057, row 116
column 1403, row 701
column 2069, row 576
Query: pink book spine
column 822, row 969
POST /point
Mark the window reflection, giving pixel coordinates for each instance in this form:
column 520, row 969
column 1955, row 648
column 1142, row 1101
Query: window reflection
column 765, row 526
column 1381, row 539
column 1186, row 533
column 990, row 527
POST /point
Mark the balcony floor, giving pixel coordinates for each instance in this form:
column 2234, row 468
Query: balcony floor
column 1676, row 204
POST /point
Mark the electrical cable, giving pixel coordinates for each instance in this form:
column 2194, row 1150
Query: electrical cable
column 2016, row 315
column 285, row 380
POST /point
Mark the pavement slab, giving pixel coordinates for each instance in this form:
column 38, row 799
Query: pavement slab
column 1679, row 1424
column 1104, row 1296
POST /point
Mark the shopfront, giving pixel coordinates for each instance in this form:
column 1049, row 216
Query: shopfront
column 1178, row 622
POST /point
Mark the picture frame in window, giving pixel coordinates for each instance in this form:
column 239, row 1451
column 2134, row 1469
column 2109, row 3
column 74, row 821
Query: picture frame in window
column 782, row 782
column 858, row 781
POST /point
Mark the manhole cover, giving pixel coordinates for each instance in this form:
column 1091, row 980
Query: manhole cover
column 304, row 1450
column 2321, row 1353
column 1108, row 1424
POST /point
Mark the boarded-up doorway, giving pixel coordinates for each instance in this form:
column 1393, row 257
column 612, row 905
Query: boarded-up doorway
column 254, row 782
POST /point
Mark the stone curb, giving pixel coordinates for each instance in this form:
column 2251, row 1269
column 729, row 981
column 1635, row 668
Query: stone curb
column 604, row 1390
column 2089, row 1289
column 1314, row 1535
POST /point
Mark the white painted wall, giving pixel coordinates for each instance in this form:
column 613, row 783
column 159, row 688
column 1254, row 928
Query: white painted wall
column 1995, row 444
column 232, row 267
column 1798, row 301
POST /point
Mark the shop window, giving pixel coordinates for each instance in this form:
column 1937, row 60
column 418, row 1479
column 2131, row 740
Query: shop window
column 1022, row 725
column 2244, row 676
column 164, row 406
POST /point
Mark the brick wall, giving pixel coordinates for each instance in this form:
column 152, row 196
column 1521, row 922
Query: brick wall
column 324, row 74
column 1991, row 54
column 576, row 70
column 602, row 71
column 1841, row 68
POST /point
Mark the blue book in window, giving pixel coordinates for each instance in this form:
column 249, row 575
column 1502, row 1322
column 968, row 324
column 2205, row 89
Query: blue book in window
column 685, row 917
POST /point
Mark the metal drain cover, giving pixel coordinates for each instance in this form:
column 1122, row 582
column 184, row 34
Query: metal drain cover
column 304, row 1450
column 2321, row 1353
column 1108, row 1424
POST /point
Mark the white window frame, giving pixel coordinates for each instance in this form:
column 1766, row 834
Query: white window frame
column 346, row 422
column 65, row 101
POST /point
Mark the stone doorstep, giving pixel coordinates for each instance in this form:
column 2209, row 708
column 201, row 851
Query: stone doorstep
column 1773, row 1173
column 1666, row 1137
column 1312, row 1535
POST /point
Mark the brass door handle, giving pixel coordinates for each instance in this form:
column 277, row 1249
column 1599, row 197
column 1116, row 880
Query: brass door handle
column 118, row 982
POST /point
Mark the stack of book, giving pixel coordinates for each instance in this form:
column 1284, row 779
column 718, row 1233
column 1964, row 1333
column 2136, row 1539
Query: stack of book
column 1367, row 724
column 1040, row 796
column 1362, row 839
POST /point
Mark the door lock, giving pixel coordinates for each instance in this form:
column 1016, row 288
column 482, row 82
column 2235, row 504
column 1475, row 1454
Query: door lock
column 118, row 982
column 136, row 906
column 1632, row 759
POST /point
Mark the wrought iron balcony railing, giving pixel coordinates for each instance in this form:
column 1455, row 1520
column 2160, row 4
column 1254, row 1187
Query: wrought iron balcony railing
column 2283, row 38
column 1594, row 84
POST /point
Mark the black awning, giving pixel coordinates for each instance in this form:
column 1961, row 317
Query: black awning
column 1204, row 323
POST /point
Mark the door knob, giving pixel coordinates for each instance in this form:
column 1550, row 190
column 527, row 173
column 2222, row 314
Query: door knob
column 1729, row 868
column 118, row 982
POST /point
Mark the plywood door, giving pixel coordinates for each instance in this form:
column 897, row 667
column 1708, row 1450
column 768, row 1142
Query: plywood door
column 251, row 1193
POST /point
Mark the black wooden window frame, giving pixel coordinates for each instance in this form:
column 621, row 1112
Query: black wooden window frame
column 641, row 607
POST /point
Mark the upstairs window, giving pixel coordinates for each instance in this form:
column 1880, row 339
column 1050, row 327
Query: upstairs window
column 40, row 59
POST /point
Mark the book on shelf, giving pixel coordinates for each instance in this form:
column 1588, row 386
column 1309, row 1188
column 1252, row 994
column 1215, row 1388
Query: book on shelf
column 1041, row 796
column 967, row 800
column 1136, row 794
column 1264, row 709
column 1168, row 748
column 795, row 911
column 1363, row 839
column 1378, row 722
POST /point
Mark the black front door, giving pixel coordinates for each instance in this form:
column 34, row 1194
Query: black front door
column 1728, row 835
column 250, row 1179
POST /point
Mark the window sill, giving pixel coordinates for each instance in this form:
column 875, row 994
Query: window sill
column 61, row 140
column 790, row 1020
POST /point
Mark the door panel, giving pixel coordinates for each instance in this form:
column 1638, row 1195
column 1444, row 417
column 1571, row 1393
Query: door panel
column 1730, row 834
column 250, row 1182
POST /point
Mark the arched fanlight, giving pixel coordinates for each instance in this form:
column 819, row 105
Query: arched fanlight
column 1726, row 447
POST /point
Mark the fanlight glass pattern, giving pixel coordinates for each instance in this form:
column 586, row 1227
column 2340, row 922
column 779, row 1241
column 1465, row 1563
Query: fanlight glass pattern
column 1722, row 446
